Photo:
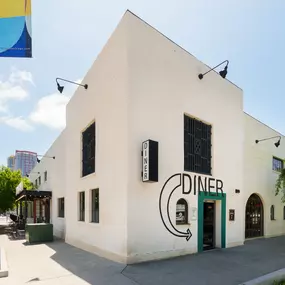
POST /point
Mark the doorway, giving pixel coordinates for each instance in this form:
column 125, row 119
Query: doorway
column 209, row 225
column 254, row 217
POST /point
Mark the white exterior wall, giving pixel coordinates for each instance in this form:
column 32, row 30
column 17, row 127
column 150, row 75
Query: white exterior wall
column 164, row 85
column 56, row 180
column 140, row 86
column 259, row 177
column 105, row 101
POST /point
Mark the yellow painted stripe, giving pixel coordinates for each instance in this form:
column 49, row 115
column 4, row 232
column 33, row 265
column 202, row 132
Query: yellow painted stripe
column 14, row 8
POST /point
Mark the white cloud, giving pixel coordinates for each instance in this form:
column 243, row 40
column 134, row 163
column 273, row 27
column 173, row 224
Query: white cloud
column 12, row 89
column 18, row 123
column 20, row 76
column 8, row 93
column 50, row 111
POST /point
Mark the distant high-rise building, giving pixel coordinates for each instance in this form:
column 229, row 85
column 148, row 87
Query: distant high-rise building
column 25, row 161
column 11, row 162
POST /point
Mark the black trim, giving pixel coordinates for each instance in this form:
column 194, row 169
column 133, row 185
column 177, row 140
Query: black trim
column 88, row 150
column 32, row 194
column 254, row 217
column 197, row 146
column 60, row 207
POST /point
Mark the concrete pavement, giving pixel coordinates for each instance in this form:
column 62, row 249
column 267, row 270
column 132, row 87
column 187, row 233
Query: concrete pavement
column 58, row 263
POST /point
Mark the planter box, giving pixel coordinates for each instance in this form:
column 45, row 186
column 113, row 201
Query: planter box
column 39, row 232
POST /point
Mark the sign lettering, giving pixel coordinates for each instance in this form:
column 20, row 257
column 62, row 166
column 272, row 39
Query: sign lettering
column 145, row 161
column 185, row 184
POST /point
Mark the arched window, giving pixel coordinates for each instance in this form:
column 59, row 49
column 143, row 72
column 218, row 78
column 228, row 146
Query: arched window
column 181, row 212
column 272, row 214
column 283, row 212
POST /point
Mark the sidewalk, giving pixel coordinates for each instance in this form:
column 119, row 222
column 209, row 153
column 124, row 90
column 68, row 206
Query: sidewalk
column 58, row 263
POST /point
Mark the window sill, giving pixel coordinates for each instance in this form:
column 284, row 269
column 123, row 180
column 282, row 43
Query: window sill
column 186, row 224
column 61, row 217
column 199, row 173
column 80, row 221
column 89, row 175
column 94, row 224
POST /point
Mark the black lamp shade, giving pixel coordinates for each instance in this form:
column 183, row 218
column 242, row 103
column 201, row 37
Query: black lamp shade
column 60, row 88
column 277, row 143
column 224, row 72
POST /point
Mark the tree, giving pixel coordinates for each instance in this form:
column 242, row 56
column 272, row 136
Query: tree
column 280, row 185
column 27, row 184
column 9, row 180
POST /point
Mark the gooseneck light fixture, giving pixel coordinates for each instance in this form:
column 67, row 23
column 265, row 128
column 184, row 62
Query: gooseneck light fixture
column 38, row 160
column 223, row 73
column 276, row 144
column 60, row 88
column 28, row 175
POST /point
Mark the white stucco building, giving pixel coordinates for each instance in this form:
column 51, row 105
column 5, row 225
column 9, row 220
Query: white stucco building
column 144, row 87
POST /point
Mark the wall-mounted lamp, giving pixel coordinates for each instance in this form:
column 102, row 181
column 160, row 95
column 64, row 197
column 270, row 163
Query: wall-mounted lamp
column 237, row 191
column 223, row 73
column 60, row 88
column 38, row 160
column 276, row 144
column 28, row 175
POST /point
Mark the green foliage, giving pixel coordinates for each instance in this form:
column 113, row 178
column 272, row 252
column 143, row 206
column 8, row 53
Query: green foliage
column 280, row 185
column 279, row 282
column 27, row 184
column 9, row 180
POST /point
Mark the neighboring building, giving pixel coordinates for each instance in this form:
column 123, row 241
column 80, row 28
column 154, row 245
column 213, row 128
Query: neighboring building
column 25, row 161
column 11, row 162
column 143, row 86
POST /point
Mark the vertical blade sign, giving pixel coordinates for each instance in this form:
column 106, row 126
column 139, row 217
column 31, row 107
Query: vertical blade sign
column 150, row 161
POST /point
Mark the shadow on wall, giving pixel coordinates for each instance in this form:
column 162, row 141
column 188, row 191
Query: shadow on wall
column 87, row 266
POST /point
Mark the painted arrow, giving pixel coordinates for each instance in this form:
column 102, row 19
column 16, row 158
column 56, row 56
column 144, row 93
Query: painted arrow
column 171, row 228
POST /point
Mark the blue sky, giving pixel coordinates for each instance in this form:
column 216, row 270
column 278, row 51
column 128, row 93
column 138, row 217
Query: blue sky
column 69, row 34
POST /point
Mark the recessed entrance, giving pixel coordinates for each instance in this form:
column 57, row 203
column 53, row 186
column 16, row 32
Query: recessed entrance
column 209, row 226
column 254, row 217
column 219, row 211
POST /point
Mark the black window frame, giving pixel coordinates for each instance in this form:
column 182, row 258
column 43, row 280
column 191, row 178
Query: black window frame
column 272, row 213
column 60, row 207
column 197, row 146
column 81, row 208
column 183, row 202
column 283, row 212
column 95, row 206
column 88, row 150
column 275, row 161
column 45, row 176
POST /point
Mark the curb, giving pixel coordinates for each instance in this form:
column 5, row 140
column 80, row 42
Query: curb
column 3, row 263
column 267, row 279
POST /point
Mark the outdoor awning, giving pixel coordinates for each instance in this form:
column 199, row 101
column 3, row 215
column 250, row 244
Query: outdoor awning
column 32, row 195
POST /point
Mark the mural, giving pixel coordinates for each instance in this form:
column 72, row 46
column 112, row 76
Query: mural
column 196, row 185
column 15, row 28
column 164, row 197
